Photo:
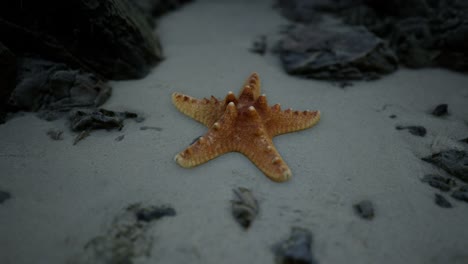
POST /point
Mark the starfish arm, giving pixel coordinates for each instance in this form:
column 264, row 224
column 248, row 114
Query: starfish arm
column 204, row 110
column 257, row 145
column 251, row 88
column 261, row 151
column 214, row 143
column 281, row 122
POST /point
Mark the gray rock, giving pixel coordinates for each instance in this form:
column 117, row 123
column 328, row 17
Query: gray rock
column 454, row 162
column 245, row 207
column 296, row 249
column 89, row 119
column 336, row 53
column 364, row 209
column 48, row 86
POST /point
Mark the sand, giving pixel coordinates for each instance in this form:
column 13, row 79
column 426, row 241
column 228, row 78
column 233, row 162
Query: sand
column 65, row 195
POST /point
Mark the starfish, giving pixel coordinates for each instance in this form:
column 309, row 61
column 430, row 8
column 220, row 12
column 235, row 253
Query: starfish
column 244, row 124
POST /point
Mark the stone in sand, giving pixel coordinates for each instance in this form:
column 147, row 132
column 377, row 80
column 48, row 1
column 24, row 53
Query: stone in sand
column 296, row 249
column 245, row 207
column 364, row 209
column 453, row 161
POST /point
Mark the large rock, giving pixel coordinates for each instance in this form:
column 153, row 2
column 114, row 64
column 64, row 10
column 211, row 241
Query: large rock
column 54, row 88
column 111, row 38
column 7, row 78
column 336, row 52
column 422, row 33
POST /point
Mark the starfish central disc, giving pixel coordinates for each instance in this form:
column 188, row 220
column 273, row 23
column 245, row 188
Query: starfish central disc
column 244, row 124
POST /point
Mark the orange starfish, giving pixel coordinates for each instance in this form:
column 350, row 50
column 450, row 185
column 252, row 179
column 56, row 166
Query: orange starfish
column 245, row 124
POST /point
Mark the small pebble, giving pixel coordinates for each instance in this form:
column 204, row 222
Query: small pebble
column 259, row 45
column 55, row 134
column 154, row 213
column 151, row 128
column 440, row 110
column 441, row 201
column 295, row 249
column 4, row 196
column 364, row 209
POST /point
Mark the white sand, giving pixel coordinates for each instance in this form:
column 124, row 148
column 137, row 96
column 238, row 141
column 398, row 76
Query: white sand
column 64, row 195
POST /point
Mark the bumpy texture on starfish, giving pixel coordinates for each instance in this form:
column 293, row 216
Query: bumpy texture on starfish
column 245, row 124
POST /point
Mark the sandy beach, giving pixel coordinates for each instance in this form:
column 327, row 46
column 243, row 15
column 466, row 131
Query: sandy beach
column 64, row 195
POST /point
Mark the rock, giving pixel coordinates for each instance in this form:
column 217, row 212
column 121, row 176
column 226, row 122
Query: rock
column 7, row 78
column 127, row 240
column 154, row 213
column 461, row 194
column 422, row 33
column 454, row 162
column 465, row 140
column 259, row 45
column 245, row 207
column 53, row 87
column 336, row 53
column 414, row 130
column 440, row 110
column 4, row 196
column 442, row 183
column 55, row 134
column 111, row 38
column 441, row 201
column 88, row 119
column 364, row 209
column 295, row 249
column 151, row 128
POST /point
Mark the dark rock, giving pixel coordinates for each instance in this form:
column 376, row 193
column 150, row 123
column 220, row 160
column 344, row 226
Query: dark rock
column 53, row 87
column 151, row 128
column 454, row 162
column 441, row 201
column 7, row 78
column 110, row 37
column 423, row 33
column 442, row 183
column 336, row 53
column 440, row 110
column 393, row 116
column 154, row 213
column 465, row 140
column 364, row 209
column 295, row 249
column 414, row 130
column 127, row 240
column 55, row 134
column 259, row 45
column 244, row 207
column 461, row 194
column 4, row 196
column 88, row 119
column 120, row 138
